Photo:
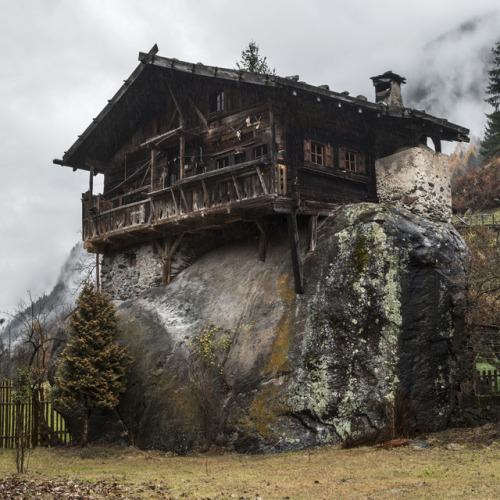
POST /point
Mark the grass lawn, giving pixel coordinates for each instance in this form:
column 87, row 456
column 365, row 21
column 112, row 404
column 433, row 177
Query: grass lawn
column 459, row 464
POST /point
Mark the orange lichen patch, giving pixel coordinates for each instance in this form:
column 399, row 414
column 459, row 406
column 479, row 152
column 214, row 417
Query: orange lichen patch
column 281, row 347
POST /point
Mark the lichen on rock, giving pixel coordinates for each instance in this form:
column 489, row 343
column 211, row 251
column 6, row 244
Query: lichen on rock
column 380, row 323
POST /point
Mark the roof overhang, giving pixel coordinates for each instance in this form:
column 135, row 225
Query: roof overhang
column 92, row 148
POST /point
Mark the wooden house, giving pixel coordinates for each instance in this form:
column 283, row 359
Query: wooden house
column 185, row 147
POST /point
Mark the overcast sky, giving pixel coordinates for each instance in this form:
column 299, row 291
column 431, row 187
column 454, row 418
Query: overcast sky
column 62, row 60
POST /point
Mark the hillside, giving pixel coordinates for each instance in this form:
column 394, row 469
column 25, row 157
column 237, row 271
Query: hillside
column 477, row 189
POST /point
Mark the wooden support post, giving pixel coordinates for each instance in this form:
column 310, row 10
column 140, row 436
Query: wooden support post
column 262, row 241
column 175, row 201
column 184, row 200
column 153, row 164
column 97, row 272
column 236, row 187
column 293, row 235
column 206, row 199
column 437, row 144
column 261, row 179
column 313, row 232
column 182, row 153
column 91, row 184
column 166, row 254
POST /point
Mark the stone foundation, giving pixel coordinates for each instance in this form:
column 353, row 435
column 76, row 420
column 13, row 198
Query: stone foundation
column 126, row 273
column 417, row 179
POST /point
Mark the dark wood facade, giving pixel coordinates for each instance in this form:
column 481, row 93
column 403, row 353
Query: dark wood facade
column 185, row 147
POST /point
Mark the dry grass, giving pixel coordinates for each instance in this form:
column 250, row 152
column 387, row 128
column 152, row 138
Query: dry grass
column 459, row 464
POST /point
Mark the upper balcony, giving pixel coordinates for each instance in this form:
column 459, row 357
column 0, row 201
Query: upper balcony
column 244, row 191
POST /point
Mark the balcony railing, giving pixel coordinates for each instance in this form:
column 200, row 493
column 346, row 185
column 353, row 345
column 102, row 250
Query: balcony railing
column 212, row 192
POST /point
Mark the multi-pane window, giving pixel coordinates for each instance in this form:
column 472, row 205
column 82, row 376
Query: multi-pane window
column 351, row 161
column 317, row 153
column 217, row 101
column 222, row 162
column 260, row 151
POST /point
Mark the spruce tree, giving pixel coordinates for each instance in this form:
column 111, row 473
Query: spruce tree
column 91, row 373
column 490, row 145
column 252, row 61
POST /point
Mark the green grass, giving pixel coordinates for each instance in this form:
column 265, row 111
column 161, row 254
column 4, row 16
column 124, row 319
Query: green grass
column 463, row 470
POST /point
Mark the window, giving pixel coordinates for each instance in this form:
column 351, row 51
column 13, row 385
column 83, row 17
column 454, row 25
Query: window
column 239, row 158
column 317, row 153
column 222, row 162
column 351, row 161
column 281, row 178
column 217, row 101
column 260, row 151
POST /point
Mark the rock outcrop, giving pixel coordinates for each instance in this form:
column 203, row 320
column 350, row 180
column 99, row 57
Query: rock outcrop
column 374, row 340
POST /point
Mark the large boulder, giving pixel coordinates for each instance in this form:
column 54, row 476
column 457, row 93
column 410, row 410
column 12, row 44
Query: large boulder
column 373, row 342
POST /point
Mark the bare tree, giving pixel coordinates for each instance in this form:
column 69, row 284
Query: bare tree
column 36, row 323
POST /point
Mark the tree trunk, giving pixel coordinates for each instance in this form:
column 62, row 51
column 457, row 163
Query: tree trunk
column 85, row 432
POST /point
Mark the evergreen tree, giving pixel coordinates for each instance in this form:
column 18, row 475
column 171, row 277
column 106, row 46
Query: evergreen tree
column 91, row 373
column 490, row 145
column 252, row 61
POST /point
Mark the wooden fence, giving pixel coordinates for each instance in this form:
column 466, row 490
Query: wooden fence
column 477, row 220
column 488, row 382
column 37, row 424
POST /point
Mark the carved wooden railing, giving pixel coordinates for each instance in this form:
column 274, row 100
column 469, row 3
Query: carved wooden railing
column 204, row 192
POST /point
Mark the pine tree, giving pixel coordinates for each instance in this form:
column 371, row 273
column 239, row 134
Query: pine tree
column 252, row 61
column 91, row 373
column 490, row 145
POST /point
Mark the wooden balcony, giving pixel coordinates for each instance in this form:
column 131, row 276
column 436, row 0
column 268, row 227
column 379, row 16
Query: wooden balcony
column 244, row 191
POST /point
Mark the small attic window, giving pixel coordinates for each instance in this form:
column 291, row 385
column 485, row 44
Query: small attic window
column 217, row 101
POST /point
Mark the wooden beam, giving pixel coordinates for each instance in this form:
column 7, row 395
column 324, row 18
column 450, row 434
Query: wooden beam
column 175, row 201
column 201, row 116
column 182, row 153
column 167, row 254
column 176, row 103
column 184, row 199
column 261, row 179
column 313, row 232
column 205, row 193
column 293, row 236
column 236, row 187
column 98, row 166
column 153, row 164
column 91, row 185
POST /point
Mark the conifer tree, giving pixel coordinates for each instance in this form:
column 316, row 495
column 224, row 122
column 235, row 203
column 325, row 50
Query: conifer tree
column 91, row 373
column 490, row 145
column 252, row 61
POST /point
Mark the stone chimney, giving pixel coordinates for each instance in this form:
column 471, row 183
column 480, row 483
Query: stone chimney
column 388, row 88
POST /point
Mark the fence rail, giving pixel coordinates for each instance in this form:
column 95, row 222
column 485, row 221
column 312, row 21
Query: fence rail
column 478, row 220
column 488, row 381
column 37, row 424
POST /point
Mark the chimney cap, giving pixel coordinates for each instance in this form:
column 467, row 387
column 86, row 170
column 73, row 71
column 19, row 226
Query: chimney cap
column 387, row 77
